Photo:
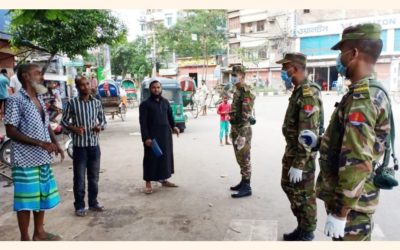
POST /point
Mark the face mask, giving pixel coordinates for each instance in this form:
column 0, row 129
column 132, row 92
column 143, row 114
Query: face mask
column 234, row 80
column 341, row 69
column 39, row 88
column 288, row 80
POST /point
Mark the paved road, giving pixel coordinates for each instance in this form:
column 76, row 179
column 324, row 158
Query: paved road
column 201, row 208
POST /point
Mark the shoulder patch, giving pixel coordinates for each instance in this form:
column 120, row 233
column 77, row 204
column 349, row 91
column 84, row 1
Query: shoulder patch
column 356, row 118
column 361, row 90
column 308, row 108
column 307, row 91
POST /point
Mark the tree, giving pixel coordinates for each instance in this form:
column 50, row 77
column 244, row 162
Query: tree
column 207, row 26
column 70, row 32
column 131, row 58
column 254, row 55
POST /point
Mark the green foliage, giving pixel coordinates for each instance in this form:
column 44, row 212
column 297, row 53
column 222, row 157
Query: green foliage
column 207, row 25
column 251, row 54
column 71, row 32
column 131, row 57
column 24, row 17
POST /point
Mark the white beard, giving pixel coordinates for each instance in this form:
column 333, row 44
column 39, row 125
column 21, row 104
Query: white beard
column 39, row 88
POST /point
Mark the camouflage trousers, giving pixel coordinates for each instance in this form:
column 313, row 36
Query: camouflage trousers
column 241, row 141
column 358, row 227
column 301, row 195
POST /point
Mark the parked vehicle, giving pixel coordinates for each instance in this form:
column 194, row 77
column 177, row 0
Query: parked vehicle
column 5, row 150
column 111, row 99
column 131, row 93
column 190, row 100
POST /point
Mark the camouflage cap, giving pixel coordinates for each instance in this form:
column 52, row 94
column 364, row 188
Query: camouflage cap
column 238, row 69
column 366, row 31
column 293, row 57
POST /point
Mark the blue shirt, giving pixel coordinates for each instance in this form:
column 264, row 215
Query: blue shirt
column 4, row 83
column 87, row 114
column 22, row 113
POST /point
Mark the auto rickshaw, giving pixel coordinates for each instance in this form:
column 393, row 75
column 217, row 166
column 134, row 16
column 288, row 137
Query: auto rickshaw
column 130, row 89
column 191, row 101
column 171, row 90
column 188, row 87
column 111, row 99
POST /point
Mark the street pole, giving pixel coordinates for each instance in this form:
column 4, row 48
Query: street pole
column 154, row 72
column 107, row 62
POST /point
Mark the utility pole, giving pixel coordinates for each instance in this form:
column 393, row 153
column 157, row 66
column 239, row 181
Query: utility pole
column 154, row 72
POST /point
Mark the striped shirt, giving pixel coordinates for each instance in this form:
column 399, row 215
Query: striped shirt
column 87, row 114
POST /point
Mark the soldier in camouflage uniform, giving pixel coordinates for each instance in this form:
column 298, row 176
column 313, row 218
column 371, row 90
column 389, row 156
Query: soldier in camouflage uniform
column 241, row 133
column 304, row 113
column 355, row 139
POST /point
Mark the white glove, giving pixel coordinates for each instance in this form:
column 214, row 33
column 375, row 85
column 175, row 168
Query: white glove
column 334, row 227
column 295, row 175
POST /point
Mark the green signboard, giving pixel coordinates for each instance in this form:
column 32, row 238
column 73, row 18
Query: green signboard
column 100, row 76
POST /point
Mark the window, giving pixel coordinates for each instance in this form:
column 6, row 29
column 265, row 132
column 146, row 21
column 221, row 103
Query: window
column 243, row 28
column 150, row 27
column 318, row 45
column 260, row 25
column 306, row 11
column 262, row 53
column 234, row 23
column 169, row 21
column 234, row 46
column 397, row 40
column 384, row 40
column 142, row 26
column 247, row 28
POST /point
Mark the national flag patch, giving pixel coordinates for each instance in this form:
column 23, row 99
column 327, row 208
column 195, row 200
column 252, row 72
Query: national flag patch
column 246, row 100
column 308, row 108
column 356, row 118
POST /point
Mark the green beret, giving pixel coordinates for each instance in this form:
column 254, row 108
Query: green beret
column 366, row 31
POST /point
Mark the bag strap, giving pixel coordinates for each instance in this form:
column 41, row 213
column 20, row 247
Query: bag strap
column 390, row 145
column 321, row 117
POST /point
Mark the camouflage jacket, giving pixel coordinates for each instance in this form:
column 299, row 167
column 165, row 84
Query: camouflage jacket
column 242, row 106
column 354, row 139
column 303, row 112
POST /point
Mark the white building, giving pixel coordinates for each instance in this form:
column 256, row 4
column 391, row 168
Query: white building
column 147, row 21
column 258, row 38
column 316, row 36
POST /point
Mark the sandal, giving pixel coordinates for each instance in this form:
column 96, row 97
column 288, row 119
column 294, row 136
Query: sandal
column 148, row 190
column 50, row 237
column 168, row 184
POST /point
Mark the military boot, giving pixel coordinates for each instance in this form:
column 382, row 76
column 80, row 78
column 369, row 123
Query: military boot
column 245, row 190
column 237, row 187
column 292, row 236
column 305, row 236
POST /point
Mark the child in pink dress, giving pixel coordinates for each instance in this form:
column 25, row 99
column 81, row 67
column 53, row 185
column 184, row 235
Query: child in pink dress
column 223, row 110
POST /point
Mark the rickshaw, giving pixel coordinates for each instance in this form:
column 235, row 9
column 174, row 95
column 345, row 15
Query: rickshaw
column 171, row 90
column 111, row 99
column 188, row 87
column 130, row 89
